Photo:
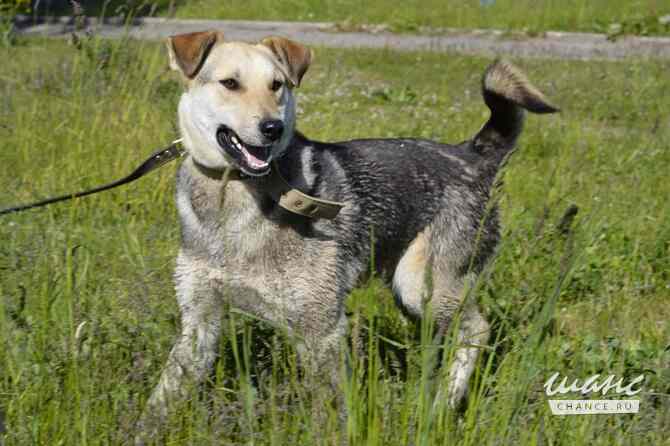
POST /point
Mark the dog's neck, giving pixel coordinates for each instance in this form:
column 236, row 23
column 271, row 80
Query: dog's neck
column 289, row 183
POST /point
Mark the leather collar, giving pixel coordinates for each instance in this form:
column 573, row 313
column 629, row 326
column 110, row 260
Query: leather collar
column 282, row 193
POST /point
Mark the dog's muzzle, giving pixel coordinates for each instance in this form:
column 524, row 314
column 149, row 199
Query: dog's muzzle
column 252, row 160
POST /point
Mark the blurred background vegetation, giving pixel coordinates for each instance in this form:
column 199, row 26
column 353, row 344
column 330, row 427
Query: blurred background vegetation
column 615, row 17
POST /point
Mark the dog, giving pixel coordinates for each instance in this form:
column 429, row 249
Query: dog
column 426, row 203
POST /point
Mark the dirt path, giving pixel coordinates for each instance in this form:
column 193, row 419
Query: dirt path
column 552, row 45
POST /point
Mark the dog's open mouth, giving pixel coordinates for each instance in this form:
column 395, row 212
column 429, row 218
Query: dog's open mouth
column 252, row 160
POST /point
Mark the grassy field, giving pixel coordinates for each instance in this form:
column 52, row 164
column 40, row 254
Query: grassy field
column 638, row 17
column 641, row 17
column 87, row 310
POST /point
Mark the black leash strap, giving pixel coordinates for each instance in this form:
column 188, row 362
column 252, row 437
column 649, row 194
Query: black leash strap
column 158, row 159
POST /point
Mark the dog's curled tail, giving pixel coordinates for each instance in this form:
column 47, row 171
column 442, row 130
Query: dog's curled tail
column 507, row 92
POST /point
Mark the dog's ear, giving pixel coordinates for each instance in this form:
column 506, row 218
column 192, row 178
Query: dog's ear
column 293, row 57
column 188, row 52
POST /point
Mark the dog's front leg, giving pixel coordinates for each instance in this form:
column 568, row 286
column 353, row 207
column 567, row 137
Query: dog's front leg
column 194, row 352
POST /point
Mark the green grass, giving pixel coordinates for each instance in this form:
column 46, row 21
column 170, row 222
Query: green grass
column 615, row 17
column 88, row 314
column 635, row 17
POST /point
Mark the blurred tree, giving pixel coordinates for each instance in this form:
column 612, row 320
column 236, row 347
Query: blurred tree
column 11, row 7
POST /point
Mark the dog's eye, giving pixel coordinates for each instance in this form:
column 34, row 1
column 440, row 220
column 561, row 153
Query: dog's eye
column 230, row 84
column 276, row 85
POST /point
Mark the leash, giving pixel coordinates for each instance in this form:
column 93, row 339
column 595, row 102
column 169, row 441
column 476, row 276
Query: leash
column 287, row 197
column 156, row 160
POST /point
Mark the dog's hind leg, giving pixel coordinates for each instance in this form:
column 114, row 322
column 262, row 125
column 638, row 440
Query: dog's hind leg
column 423, row 281
column 473, row 333
column 194, row 352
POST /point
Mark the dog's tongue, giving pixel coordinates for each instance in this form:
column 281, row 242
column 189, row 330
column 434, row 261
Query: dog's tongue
column 253, row 158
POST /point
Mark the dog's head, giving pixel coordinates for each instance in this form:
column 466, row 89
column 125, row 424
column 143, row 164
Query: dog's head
column 238, row 108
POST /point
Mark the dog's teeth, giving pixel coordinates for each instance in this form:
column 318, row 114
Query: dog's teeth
column 236, row 142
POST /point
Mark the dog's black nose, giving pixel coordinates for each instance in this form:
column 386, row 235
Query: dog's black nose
column 272, row 129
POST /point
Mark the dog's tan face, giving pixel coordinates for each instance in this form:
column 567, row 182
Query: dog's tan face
column 238, row 108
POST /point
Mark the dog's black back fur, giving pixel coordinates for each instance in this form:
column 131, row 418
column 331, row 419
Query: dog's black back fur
column 399, row 186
